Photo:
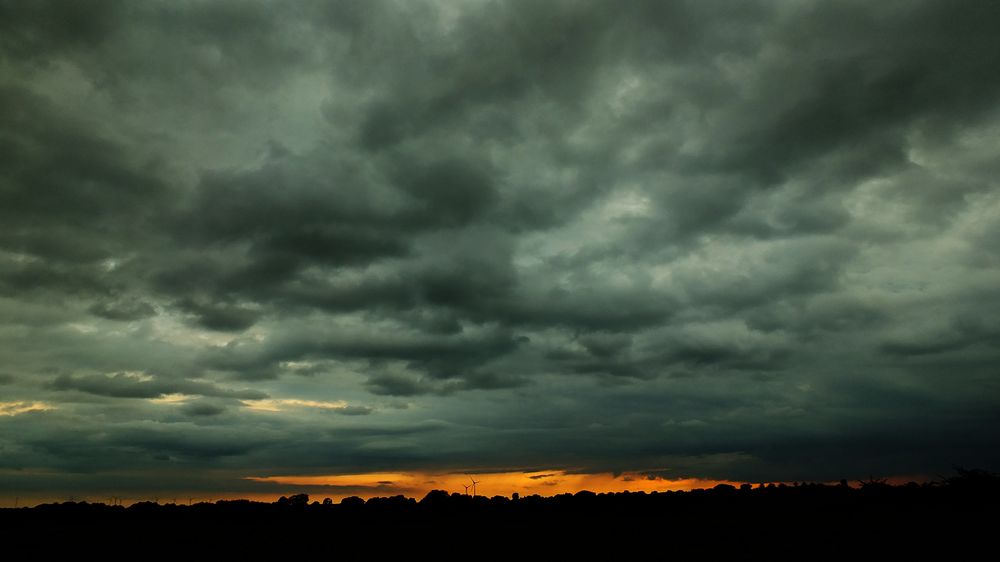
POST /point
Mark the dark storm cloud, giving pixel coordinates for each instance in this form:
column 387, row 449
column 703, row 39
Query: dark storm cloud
column 437, row 356
column 219, row 316
column 123, row 309
column 354, row 411
column 43, row 29
column 730, row 240
column 204, row 409
column 62, row 187
column 413, row 383
column 121, row 385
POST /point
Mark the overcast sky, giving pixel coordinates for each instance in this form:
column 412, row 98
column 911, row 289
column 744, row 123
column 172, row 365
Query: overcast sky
column 725, row 240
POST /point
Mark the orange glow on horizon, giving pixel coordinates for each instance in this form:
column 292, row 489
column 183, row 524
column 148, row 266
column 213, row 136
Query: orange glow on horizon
column 410, row 484
column 543, row 483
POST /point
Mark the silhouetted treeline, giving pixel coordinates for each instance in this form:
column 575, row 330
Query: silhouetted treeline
column 965, row 503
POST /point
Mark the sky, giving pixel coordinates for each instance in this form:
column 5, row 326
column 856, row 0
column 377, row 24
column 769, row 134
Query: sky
column 371, row 247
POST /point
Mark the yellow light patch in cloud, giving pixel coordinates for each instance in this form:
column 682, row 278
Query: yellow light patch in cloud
column 15, row 408
column 173, row 398
column 280, row 404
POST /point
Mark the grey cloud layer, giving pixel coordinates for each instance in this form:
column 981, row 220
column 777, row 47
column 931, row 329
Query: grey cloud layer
column 741, row 240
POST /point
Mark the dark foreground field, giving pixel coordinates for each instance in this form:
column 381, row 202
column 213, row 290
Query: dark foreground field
column 952, row 512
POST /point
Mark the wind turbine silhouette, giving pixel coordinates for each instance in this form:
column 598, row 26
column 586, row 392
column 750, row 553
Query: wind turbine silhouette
column 474, row 482
column 466, row 489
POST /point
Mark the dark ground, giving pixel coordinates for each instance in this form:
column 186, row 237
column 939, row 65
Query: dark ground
column 955, row 514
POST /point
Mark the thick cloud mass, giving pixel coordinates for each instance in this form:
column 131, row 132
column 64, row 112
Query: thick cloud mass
column 742, row 240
